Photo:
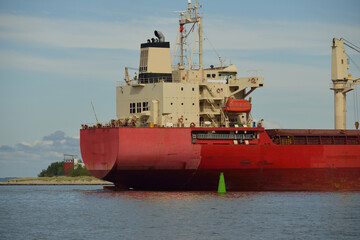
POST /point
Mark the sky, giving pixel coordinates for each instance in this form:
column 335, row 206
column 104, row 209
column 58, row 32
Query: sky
column 56, row 57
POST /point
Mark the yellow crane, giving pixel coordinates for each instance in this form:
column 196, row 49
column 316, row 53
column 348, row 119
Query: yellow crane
column 127, row 76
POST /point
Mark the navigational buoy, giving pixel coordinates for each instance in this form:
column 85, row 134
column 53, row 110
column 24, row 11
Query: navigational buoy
column 222, row 188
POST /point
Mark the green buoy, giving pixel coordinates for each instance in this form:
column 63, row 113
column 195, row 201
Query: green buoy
column 222, row 188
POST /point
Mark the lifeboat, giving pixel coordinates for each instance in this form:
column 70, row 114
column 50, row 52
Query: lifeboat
column 237, row 105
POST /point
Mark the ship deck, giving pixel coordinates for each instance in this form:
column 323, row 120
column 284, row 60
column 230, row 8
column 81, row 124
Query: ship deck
column 314, row 137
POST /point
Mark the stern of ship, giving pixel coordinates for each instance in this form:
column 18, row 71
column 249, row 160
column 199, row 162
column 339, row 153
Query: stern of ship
column 99, row 149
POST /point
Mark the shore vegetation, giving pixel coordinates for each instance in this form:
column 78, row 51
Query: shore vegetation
column 56, row 169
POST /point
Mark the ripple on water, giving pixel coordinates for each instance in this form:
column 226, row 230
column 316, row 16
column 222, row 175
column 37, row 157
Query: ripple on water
column 88, row 212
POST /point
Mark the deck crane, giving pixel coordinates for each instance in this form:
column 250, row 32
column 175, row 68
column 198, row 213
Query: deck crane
column 127, row 77
column 342, row 82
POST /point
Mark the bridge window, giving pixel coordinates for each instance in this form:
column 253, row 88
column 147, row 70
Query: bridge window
column 132, row 107
column 139, row 107
column 145, row 106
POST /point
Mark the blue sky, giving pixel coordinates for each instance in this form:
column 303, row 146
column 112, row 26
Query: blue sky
column 58, row 56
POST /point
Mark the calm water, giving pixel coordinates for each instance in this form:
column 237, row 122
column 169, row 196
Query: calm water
column 88, row 212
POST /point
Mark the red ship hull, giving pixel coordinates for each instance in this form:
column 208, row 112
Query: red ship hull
column 171, row 159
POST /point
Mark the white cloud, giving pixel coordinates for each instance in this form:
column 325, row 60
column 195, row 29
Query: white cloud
column 48, row 142
column 224, row 32
column 56, row 154
column 78, row 67
column 28, row 159
column 26, row 144
column 237, row 33
column 76, row 34
column 311, row 37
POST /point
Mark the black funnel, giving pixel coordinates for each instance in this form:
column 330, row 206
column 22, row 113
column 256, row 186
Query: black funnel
column 159, row 35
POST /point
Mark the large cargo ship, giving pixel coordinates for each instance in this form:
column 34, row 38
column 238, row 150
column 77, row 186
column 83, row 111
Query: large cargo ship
column 180, row 126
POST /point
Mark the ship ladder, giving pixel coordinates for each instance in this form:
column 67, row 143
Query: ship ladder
column 225, row 117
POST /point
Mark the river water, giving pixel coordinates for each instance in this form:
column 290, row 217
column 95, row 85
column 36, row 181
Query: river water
column 88, row 212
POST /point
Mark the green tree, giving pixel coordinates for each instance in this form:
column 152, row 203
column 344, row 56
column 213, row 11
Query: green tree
column 79, row 171
column 54, row 169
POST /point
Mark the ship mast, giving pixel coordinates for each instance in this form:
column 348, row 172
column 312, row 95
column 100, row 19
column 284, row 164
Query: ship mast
column 191, row 16
column 342, row 82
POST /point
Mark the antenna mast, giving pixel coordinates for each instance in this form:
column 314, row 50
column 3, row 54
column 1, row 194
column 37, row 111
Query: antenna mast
column 191, row 16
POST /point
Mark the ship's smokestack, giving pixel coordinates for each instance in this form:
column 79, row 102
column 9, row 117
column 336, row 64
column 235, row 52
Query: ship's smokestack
column 160, row 36
column 155, row 60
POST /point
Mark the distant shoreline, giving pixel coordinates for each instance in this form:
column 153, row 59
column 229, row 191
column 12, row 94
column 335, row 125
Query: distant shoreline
column 61, row 180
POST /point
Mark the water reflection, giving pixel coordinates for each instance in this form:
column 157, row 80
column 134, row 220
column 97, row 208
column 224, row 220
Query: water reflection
column 341, row 198
column 104, row 214
column 165, row 196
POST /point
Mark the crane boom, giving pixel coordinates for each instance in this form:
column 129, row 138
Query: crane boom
column 97, row 121
column 127, row 78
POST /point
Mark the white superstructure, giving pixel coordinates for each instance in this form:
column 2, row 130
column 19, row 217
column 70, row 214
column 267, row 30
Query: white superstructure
column 182, row 94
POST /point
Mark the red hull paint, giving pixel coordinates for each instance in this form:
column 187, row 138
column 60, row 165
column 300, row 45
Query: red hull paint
column 167, row 159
